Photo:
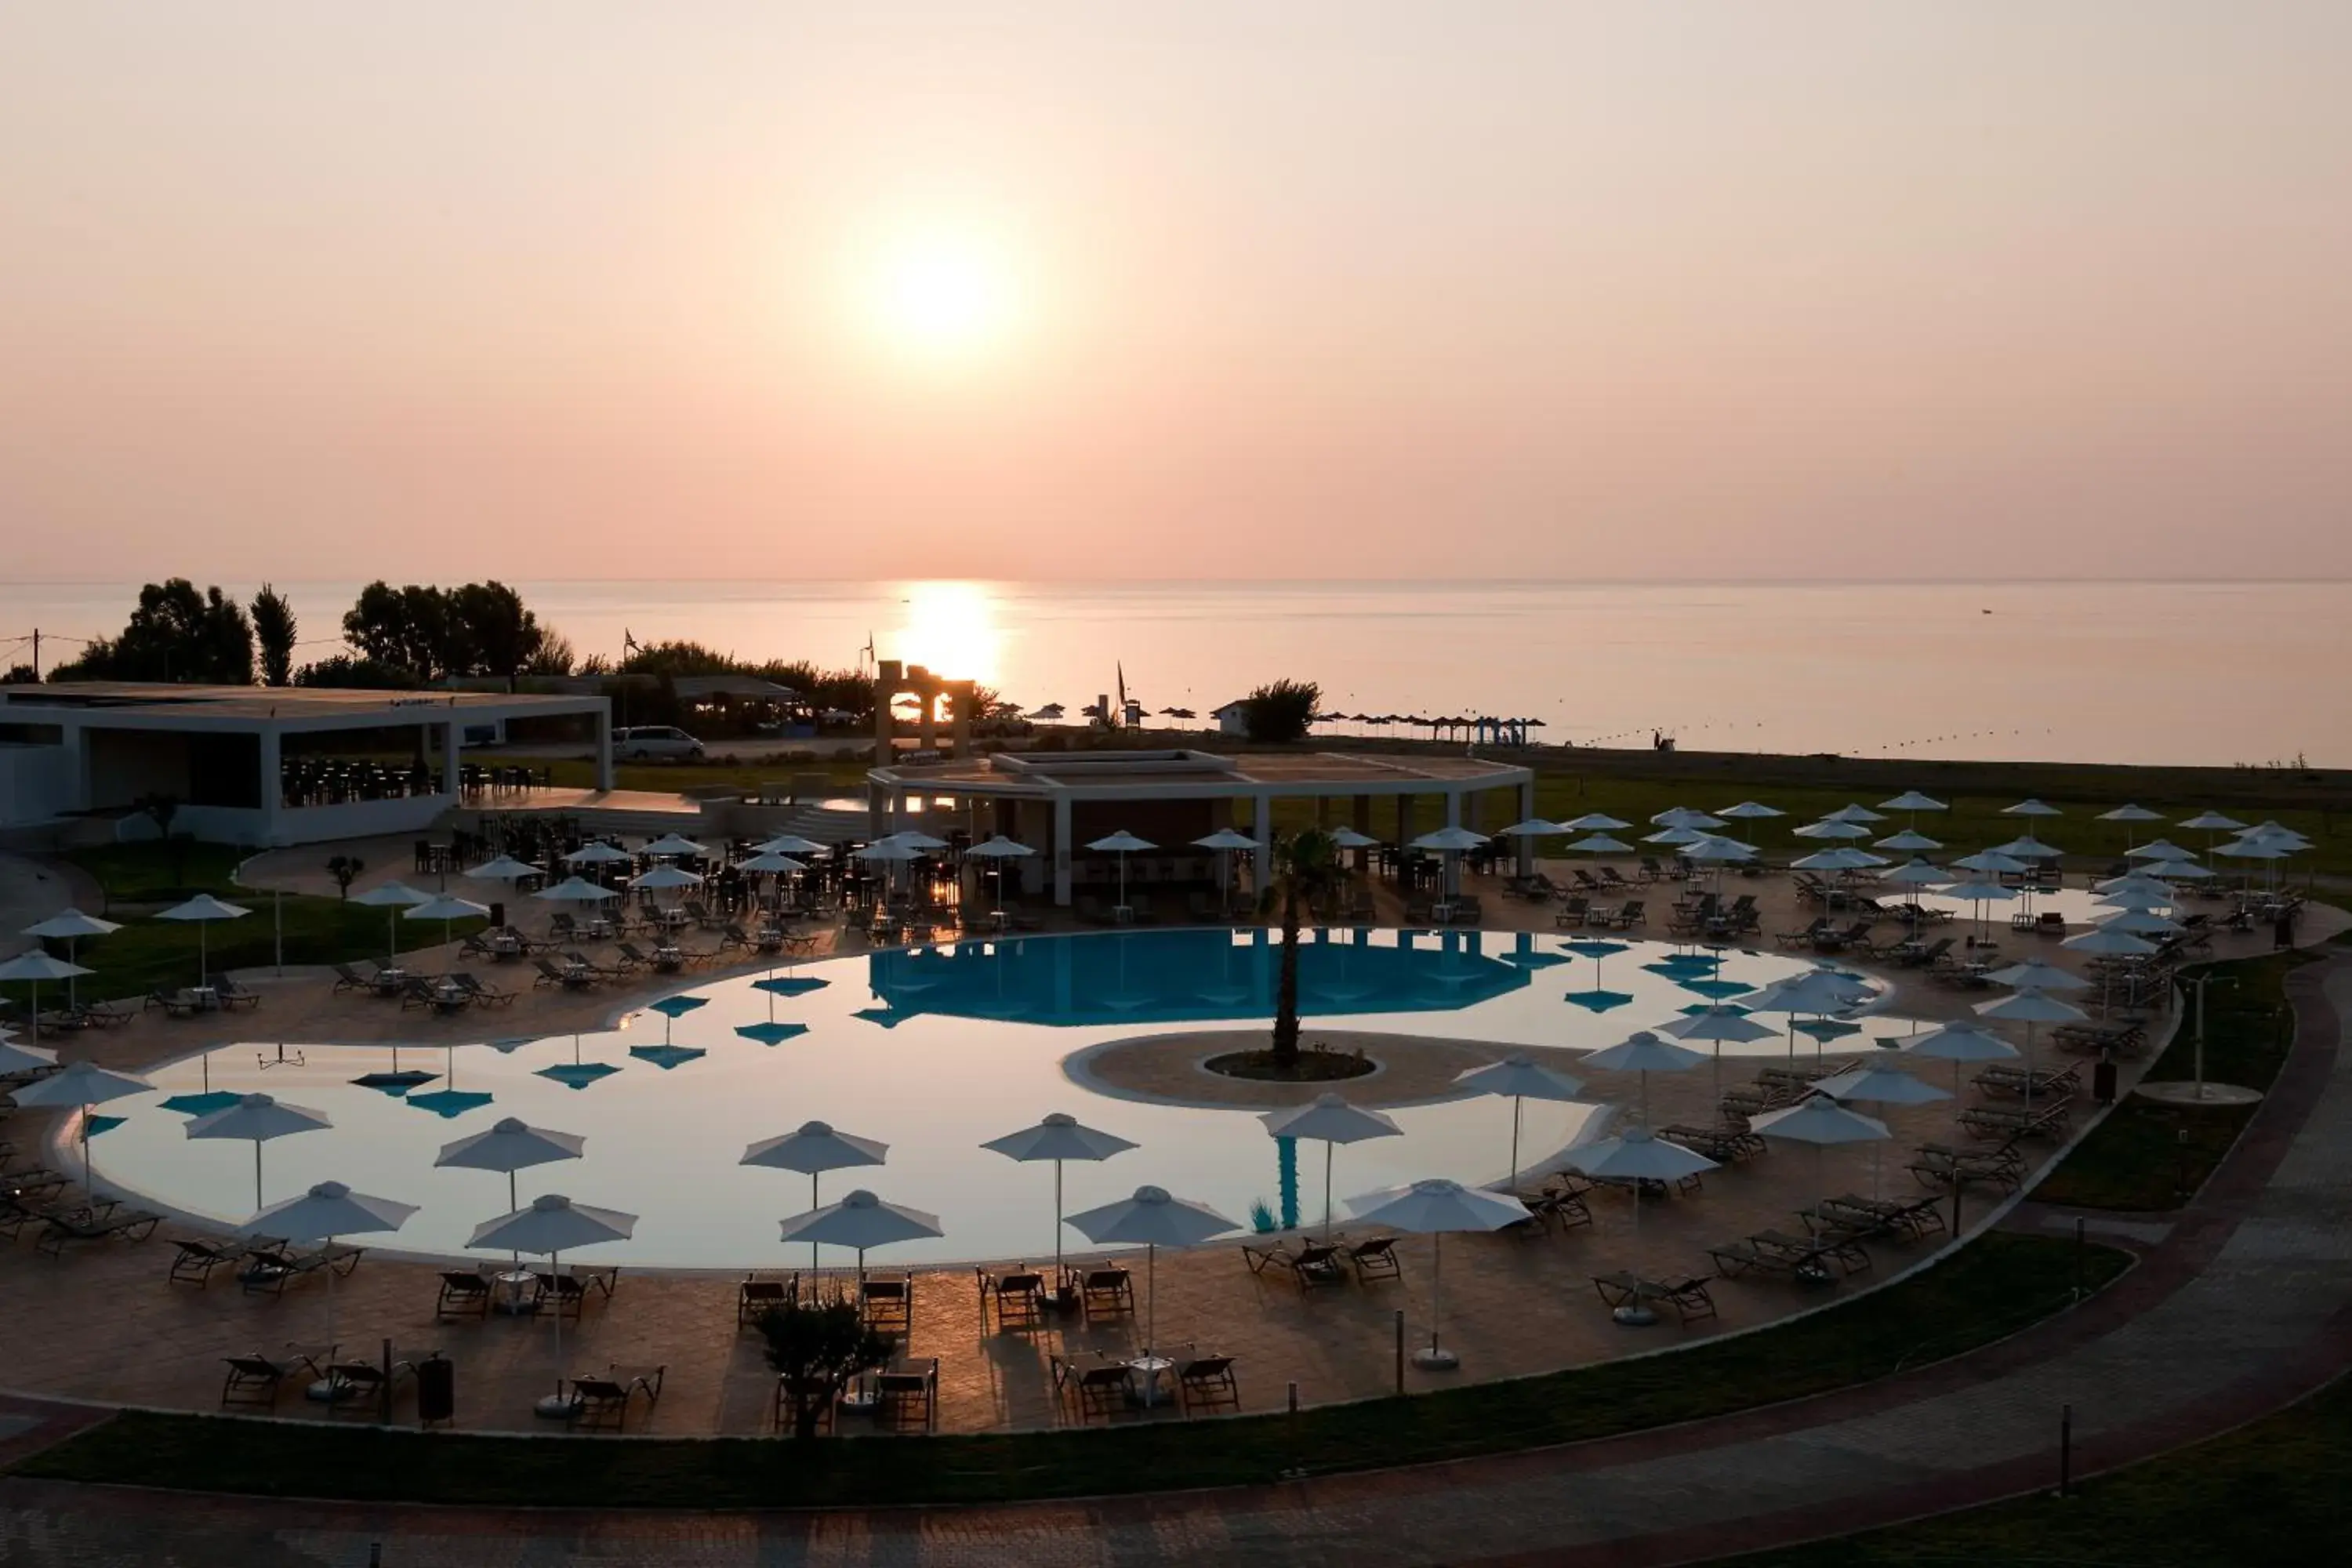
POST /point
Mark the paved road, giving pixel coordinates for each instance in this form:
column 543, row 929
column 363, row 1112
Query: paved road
column 2237, row 1306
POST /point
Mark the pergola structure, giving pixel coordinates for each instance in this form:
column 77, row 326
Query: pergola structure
column 891, row 679
column 1057, row 801
column 77, row 747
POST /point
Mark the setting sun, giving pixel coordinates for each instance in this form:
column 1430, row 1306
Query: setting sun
column 941, row 294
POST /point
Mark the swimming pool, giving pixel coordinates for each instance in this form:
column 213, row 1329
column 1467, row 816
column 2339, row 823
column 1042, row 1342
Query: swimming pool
column 933, row 1051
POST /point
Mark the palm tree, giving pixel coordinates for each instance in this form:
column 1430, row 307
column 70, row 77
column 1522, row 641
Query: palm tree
column 1306, row 870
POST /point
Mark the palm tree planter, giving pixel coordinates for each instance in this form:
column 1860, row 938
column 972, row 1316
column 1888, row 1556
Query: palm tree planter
column 1306, row 870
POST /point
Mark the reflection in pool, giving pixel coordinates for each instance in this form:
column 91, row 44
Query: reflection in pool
column 932, row 1051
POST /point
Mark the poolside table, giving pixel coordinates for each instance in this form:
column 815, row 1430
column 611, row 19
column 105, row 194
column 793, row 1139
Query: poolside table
column 1143, row 1378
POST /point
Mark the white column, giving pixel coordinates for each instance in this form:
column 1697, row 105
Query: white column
column 1526, row 845
column 877, row 809
column 605, row 745
column 1262, row 863
column 1062, row 850
column 273, row 788
column 449, row 733
column 1453, row 861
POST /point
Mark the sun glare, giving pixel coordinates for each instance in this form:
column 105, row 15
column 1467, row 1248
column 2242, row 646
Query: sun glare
column 942, row 294
column 951, row 630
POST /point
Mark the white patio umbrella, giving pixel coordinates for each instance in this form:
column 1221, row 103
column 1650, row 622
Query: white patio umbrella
column 997, row 851
column 34, row 967
column 2030, row 807
column 260, row 1117
column 445, row 909
column 69, row 926
column 1684, row 817
column 1990, row 862
column 504, row 868
column 576, row 890
column 1853, row 812
column 915, row 838
column 790, row 843
column 598, row 853
column 2212, row 824
column 79, row 1086
column 1226, row 842
column 887, row 852
column 1716, row 1026
column 1831, row 828
column 2160, row 850
column 392, row 898
column 1673, row 834
column 2035, row 974
column 1533, row 828
column 326, row 1211
column 1449, row 843
column 1151, row 1219
column 554, row 1225
column 815, row 1148
column 1824, row 1123
column 1601, row 844
column 1331, row 1120
column 511, row 1146
column 1122, row 844
column 861, row 1221
column 1593, row 822
column 667, row 876
column 1635, row 1156
column 1521, row 1081
column 1431, row 1208
column 768, row 863
column 2142, row 888
column 1911, row 800
column 15, row 1058
column 1349, row 839
column 1918, row 873
column 1644, row 1053
column 2031, row 1008
column 203, row 910
column 1058, row 1137
column 1750, row 811
column 1908, row 841
column 1978, row 895
column 1841, row 858
column 2131, row 815
column 1880, row 1083
column 672, row 846
column 1821, row 991
column 2140, row 922
column 1960, row 1043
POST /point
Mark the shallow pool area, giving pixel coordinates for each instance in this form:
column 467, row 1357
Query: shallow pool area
column 933, row 1051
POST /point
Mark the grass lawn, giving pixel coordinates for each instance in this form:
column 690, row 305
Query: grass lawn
column 1992, row 1287
column 148, row 954
column 2271, row 1492
column 2137, row 1158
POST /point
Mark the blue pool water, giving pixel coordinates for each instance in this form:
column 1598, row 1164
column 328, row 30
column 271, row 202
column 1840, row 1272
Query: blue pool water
column 934, row 1051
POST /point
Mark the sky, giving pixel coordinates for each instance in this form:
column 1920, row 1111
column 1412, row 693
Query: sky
column 593, row 290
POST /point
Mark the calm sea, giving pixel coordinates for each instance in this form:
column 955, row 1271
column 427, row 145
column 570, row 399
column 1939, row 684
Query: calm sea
column 2131, row 672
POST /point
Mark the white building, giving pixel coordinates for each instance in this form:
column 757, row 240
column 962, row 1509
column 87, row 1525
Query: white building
column 231, row 754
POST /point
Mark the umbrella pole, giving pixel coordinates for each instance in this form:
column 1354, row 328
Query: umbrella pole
column 812, row 1268
column 256, row 1175
column 1057, row 1228
column 515, row 1259
column 87, row 1185
column 1327, row 1147
column 1151, row 1295
column 1518, row 1104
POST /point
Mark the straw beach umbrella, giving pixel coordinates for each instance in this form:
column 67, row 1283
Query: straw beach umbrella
column 1058, row 1137
column 1331, row 1120
column 1431, row 1208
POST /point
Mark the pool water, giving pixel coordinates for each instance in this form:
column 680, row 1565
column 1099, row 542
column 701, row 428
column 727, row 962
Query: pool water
column 933, row 1051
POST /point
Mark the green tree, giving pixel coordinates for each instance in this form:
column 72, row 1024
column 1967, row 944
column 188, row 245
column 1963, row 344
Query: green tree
column 273, row 631
column 174, row 634
column 816, row 1350
column 162, row 810
column 19, row 675
column 555, row 656
column 1280, row 712
column 363, row 674
column 677, row 658
column 406, row 628
column 345, row 869
column 489, row 631
column 1307, row 869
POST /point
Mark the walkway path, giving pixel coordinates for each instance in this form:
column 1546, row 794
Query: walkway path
column 2238, row 1305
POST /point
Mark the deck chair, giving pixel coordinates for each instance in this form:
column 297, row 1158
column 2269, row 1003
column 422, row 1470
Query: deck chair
column 887, row 1304
column 347, row 978
column 253, row 1381
column 1096, row 1390
column 1107, row 1292
column 755, row 1297
column 1207, row 1383
column 462, row 1295
column 1312, row 1264
column 908, row 1396
column 175, row 1004
column 489, row 995
column 1374, row 1259
column 603, row 1400
column 197, row 1257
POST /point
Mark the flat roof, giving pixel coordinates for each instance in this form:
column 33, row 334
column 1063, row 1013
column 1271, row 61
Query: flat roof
column 1178, row 775
column 150, row 706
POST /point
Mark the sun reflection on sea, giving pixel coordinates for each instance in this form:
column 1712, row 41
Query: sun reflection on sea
column 950, row 628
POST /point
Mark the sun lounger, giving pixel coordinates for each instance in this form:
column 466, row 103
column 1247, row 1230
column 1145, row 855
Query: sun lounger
column 1836, row 1245
column 1099, row 1389
column 1309, row 1265
column 755, row 1297
column 269, row 1267
column 1804, row 938
column 1207, row 1383
column 489, row 995
column 1573, row 911
column 1721, row 1144
column 1689, row 1298
column 253, row 1381
column 601, row 1400
column 1374, row 1259
column 197, row 1258
column 463, row 1294
column 108, row 1221
column 2051, row 1120
column 348, row 978
column 1107, row 1293
column 1561, row 1205
column 552, row 973
column 2013, row 1081
column 1610, row 880
column 174, row 1003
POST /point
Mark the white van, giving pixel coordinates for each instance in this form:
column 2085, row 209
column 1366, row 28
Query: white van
column 651, row 742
